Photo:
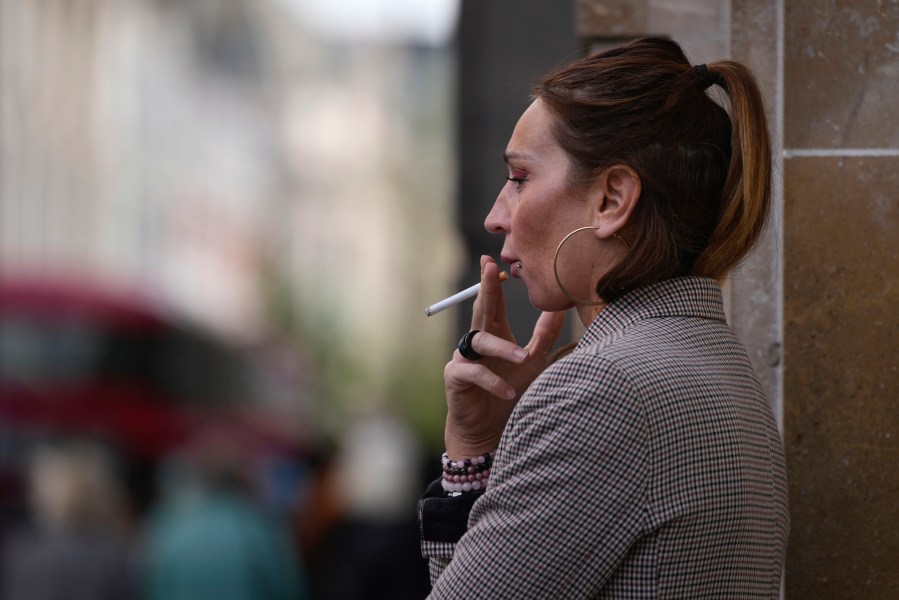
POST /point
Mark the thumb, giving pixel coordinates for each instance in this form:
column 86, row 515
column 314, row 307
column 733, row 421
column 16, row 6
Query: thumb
column 546, row 333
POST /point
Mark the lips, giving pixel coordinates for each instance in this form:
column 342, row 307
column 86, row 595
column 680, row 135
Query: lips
column 514, row 264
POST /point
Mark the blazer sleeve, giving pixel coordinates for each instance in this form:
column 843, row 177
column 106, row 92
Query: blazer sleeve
column 442, row 521
column 566, row 501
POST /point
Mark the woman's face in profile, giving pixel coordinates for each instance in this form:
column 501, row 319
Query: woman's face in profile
column 536, row 209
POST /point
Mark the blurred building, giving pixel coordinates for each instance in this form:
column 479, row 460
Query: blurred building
column 247, row 175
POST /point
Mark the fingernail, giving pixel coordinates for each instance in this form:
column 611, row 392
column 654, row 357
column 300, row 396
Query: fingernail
column 510, row 393
column 521, row 354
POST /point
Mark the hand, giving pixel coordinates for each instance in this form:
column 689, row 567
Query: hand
column 480, row 395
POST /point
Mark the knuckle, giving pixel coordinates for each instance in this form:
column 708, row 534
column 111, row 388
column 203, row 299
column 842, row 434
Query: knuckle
column 480, row 342
column 496, row 381
column 449, row 369
column 487, row 343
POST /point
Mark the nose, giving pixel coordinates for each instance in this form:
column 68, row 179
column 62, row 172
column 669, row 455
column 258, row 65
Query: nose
column 498, row 220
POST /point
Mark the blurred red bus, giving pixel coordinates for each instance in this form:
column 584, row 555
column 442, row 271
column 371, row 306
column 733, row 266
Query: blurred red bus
column 81, row 361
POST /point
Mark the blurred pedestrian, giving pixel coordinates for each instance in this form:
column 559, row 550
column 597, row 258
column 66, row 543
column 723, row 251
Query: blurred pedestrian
column 77, row 546
column 211, row 539
column 364, row 532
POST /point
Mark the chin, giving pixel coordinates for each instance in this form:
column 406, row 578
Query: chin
column 549, row 302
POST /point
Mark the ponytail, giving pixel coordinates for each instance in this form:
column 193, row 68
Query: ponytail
column 746, row 197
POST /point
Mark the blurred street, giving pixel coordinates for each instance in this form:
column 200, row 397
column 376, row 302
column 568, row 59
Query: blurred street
column 220, row 222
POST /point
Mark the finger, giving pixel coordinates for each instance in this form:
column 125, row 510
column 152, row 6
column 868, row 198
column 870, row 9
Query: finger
column 463, row 374
column 546, row 333
column 484, row 310
column 499, row 312
column 487, row 344
column 496, row 318
column 484, row 260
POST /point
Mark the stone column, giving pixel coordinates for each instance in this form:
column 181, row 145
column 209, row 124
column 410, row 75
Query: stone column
column 841, row 293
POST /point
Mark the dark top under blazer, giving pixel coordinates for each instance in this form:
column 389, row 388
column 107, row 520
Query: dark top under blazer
column 645, row 464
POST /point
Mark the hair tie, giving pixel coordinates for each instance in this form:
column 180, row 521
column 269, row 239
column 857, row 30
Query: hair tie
column 708, row 78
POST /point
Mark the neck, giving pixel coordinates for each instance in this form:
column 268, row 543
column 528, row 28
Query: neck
column 588, row 314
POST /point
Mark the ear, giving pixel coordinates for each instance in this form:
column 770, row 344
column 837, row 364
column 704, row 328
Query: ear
column 618, row 189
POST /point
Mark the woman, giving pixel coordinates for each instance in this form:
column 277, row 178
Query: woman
column 645, row 462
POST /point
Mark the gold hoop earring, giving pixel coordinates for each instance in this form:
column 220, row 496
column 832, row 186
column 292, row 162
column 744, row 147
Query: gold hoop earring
column 556, row 270
column 623, row 241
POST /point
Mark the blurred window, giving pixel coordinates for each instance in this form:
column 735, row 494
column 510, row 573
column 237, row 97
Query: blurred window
column 182, row 367
column 33, row 352
column 200, row 371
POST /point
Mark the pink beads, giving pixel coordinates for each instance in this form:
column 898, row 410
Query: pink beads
column 469, row 475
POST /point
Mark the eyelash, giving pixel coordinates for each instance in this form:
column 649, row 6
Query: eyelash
column 517, row 180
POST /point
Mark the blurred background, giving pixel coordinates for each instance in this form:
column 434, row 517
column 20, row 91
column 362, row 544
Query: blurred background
column 220, row 224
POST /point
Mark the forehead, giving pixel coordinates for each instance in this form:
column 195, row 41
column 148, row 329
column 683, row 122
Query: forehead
column 532, row 138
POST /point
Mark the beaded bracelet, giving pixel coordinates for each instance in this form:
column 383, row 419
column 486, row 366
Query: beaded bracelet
column 469, row 475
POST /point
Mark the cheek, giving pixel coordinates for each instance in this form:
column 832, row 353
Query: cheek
column 528, row 236
column 531, row 218
column 538, row 232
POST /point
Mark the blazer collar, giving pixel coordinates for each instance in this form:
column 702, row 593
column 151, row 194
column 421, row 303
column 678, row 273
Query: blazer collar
column 681, row 297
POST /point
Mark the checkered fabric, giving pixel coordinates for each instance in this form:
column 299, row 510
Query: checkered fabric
column 645, row 464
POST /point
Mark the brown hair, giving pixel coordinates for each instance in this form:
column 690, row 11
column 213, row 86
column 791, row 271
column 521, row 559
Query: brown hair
column 706, row 176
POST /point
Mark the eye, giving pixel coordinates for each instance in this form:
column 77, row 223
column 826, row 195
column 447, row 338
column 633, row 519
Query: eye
column 517, row 176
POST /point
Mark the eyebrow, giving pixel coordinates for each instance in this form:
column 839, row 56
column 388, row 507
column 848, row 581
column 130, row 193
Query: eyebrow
column 512, row 154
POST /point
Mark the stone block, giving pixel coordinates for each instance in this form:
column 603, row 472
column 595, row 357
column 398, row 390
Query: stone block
column 756, row 289
column 841, row 376
column 678, row 18
column 754, row 43
column 671, row 18
column 842, row 66
column 610, row 18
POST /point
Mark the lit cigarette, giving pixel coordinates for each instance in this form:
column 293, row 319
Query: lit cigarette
column 459, row 297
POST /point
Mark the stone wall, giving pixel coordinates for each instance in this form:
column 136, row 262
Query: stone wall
column 841, row 292
column 817, row 303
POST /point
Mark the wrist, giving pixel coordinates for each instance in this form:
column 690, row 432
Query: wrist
column 465, row 452
column 460, row 447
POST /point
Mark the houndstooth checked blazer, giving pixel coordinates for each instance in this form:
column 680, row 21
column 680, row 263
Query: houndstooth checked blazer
column 645, row 464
